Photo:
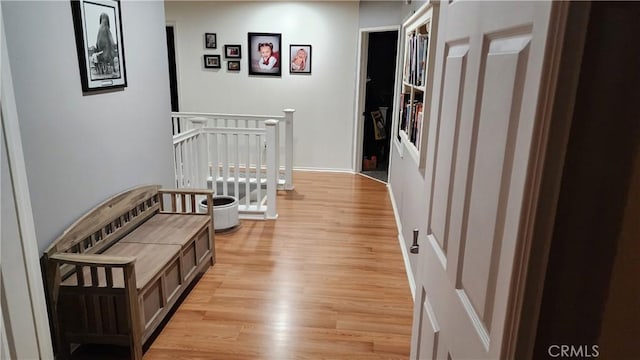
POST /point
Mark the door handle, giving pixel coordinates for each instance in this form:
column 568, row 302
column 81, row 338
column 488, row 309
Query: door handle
column 415, row 248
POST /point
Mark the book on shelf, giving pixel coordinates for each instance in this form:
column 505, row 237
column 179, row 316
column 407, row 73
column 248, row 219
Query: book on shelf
column 423, row 43
column 416, row 58
column 419, row 122
column 405, row 110
column 407, row 64
column 413, row 128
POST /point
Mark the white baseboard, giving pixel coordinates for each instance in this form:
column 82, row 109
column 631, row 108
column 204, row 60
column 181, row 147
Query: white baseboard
column 333, row 170
column 403, row 245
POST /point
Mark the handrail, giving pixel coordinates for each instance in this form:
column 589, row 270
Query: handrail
column 185, row 135
column 195, row 132
column 226, row 116
column 240, row 131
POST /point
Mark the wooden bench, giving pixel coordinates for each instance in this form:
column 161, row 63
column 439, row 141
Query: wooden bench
column 114, row 275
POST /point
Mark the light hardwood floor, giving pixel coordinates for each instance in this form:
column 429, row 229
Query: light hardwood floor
column 324, row 281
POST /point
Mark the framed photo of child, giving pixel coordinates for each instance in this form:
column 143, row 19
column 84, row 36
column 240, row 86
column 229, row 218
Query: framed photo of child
column 265, row 54
column 98, row 32
column 300, row 56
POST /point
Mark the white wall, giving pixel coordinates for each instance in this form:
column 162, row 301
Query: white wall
column 408, row 187
column 380, row 13
column 385, row 13
column 406, row 181
column 78, row 149
column 324, row 100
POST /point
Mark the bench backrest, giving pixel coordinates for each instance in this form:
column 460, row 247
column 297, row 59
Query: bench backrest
column 108, row 222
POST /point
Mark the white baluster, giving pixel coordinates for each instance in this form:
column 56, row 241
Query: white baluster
column 258, row 170
column 273, row 145
column 288, row 152
column 200, row 154
column 176, row 164
column 215, row 146
column 211, row 144
column 247, row 175
column 236, row 167
column 225, row 163
column 189, row 161
column 180, row 160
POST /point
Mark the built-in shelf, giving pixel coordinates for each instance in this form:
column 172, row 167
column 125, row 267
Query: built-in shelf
column 417, row 78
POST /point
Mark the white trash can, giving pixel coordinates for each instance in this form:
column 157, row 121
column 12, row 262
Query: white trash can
column 225, row 212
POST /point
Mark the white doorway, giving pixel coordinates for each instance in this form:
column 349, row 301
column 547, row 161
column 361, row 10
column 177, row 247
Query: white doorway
column 378, row 56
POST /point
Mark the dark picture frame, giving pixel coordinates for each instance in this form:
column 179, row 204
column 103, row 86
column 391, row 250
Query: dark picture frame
column 233, row 51
column 300, row 59
column 233, row 65
column 99, row 44
column 271, row 44
column 211, row 61
column 210, row 41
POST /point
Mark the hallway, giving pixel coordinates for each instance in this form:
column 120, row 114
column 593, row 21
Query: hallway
column 325, row 280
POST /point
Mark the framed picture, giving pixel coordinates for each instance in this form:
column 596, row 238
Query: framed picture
column 232, row 51
column 210, row 41
column 233, row 65
column 379, row 125
column 212, row 61
column 300, row 59
column 264, row 54
column 98, row 32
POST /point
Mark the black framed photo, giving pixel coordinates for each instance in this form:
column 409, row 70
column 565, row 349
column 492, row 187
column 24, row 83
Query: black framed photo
column 98, row 32
column 300, row 59
column 265, row 54
column 233, row 65
column 233, row 51
column 210, row 41
column 212, row 61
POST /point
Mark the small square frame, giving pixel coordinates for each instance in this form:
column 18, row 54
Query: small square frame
column 233, row 65
column 211, row 61
column 233, row 51
column 210, row 41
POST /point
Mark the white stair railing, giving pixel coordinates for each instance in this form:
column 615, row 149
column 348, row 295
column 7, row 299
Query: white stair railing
column 185, row 121
column 239, row 155
column 185, row 158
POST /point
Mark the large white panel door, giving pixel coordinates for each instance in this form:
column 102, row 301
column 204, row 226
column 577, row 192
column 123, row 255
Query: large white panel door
column 487, row 91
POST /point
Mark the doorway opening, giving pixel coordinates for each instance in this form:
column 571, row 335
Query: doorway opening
column 377, row 103
column 173, row 74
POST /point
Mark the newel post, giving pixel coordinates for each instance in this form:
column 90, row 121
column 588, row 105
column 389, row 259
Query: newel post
column 273, row 168
column 201, row 160
column 288, row 154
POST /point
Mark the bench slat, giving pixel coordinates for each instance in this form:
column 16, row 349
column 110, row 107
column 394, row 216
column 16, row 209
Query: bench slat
column 109, row 275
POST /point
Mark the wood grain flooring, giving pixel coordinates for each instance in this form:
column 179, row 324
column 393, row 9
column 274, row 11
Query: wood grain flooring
column 324, row 281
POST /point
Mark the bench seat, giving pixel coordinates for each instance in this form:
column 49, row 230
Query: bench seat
column 167, row 229
column 150, row 260
column 154, row 244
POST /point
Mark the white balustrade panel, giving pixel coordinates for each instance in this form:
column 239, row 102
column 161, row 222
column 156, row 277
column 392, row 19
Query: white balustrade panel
column 236, row 164
column 186, row 121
